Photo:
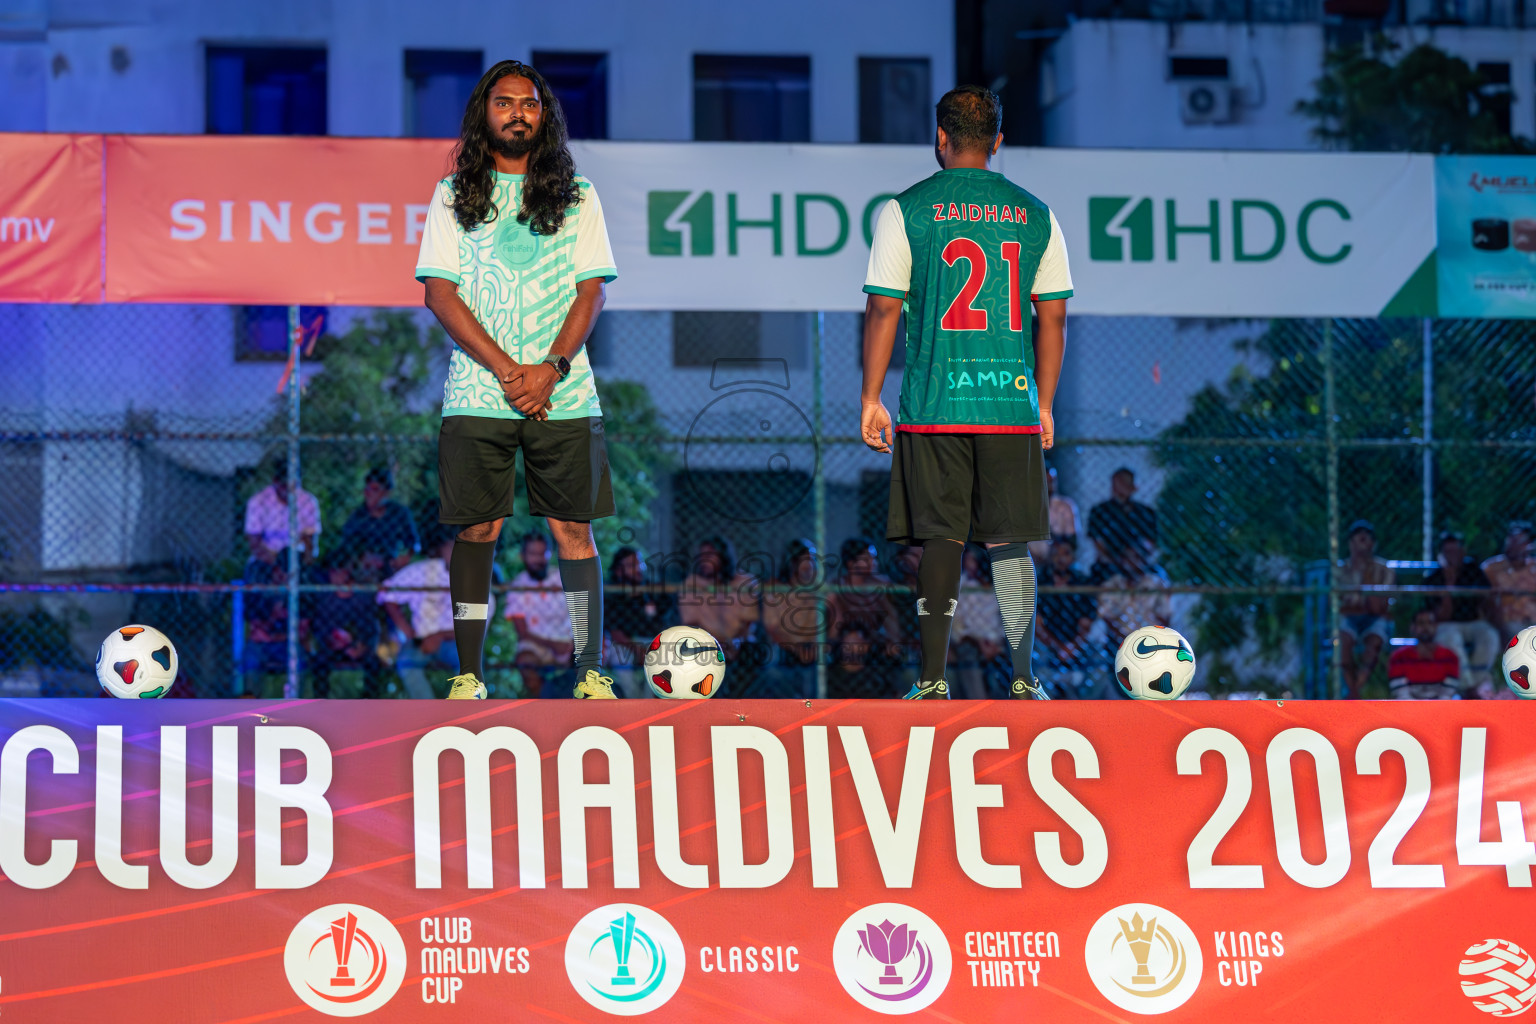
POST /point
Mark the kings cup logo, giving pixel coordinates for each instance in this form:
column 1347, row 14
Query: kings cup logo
column 1144, row 959
column 624, row 959
column 891, row 958
column 345, row 960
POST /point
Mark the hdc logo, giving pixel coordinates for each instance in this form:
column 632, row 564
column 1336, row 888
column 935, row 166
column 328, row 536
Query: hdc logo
column 345, row 960
column 682, row 223
column 1256, row 230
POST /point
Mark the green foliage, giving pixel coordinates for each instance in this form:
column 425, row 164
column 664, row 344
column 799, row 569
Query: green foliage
column 1426, row 102
column 1256, row 513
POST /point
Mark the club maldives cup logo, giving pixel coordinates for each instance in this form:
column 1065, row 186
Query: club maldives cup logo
column 891, row 958
column 1144, row 959
column 345, row 960
column 624, row 959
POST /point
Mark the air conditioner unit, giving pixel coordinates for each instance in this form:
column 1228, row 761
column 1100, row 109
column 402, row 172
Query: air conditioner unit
column 1205, row 102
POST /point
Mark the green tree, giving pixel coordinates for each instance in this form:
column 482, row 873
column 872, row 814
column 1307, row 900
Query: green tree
column 1245, row 501
column 1427, row 101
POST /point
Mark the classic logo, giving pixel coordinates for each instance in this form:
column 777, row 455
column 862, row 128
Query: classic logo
column 1499, row 977
column 1249, row 230
column 625, row 959
column 345, row 960
column 1144, row 959
column 891, row 958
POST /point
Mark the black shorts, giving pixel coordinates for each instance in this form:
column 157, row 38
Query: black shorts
column 565, row 462
column 989, row 488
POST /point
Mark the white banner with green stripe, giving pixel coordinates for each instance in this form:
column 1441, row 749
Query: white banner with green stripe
column 1208, row 234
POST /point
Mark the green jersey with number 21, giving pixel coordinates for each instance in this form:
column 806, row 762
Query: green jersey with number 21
column 968, row 250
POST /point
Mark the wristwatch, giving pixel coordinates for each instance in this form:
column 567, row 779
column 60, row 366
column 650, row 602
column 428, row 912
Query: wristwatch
column 561, row 364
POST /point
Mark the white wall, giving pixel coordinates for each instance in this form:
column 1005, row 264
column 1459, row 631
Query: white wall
column 650, row 47
column 1106, row 83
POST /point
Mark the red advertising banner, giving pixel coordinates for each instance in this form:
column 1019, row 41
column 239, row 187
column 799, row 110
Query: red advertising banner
column 766, row 861
column 251, row 219
column 50, row 218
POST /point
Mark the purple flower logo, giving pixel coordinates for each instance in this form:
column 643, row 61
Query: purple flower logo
column 892, row 945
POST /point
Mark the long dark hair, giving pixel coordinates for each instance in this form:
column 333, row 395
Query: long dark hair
column 549, row 188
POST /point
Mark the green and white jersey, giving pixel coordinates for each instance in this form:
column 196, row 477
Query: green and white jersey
column 520, row 286
column 967, row 249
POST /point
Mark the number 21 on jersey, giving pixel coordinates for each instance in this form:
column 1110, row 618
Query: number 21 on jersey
column 963, row 314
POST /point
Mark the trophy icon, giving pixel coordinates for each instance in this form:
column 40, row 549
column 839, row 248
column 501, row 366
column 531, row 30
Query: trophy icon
column 888, row 944
column 623, row 933
column 343, row 932
column 1138, row 936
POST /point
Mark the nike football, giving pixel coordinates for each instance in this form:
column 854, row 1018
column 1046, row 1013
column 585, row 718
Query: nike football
column 1519, row 663
column 136, row 661
column 684, row 663
column 1155, row 663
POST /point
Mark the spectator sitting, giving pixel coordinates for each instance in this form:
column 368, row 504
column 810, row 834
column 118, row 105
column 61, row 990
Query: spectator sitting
column 633, row 617
column 1464, row 618
column 1063, row 622
column 345, row 625
column 266, row 519
column 424, row 618
column 1124, row 610
column 541, row 618
column 1115, row 523
column 1425, row 671
column 719, row 599
column 791, row 611
column 1363, row 616
column 853, row 673
column 1512, row 575
column 266, row 618
column 380, row 530
column 873, row 610
column 976, row 636
column 1065, row 522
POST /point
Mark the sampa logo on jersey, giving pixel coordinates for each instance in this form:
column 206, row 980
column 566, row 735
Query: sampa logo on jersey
column 345, row 960
column 1144, row 959
column 1122, row 228
column 683, row 222
column 625, row 959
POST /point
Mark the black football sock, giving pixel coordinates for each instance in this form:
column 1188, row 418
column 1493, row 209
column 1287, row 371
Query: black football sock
column 938, row 588
column 469, row 584
column 1013, row 579
column 582, row 580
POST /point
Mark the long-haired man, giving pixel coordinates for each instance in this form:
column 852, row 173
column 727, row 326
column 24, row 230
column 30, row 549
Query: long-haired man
column 515, row 259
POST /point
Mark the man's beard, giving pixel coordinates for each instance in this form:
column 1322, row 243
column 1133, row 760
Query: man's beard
column 514, row 145
column 539, row 576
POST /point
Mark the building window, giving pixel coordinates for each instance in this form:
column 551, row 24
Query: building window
column 895, row 100
column 438, row 84
column 261, row 332
column 1495, row 95
column 265, row 90
column 580, row 83
column 751, row 98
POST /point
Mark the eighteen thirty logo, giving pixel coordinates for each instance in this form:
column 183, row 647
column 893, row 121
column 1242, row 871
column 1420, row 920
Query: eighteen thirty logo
column 1144, row 959
column 1246, row 230
column 891, row 958
column 345, row 960
column 624, row 959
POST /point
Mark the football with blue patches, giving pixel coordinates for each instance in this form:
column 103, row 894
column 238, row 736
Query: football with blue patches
column 1155, row 663
column 136, row 662
column 684, row 663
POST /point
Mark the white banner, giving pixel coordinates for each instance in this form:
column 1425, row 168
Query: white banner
column 766, row 227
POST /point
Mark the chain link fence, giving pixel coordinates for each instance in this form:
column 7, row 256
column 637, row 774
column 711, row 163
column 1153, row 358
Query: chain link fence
column 148, row 447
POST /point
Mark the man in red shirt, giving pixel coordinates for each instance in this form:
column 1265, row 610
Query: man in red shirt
column 1425, row 671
